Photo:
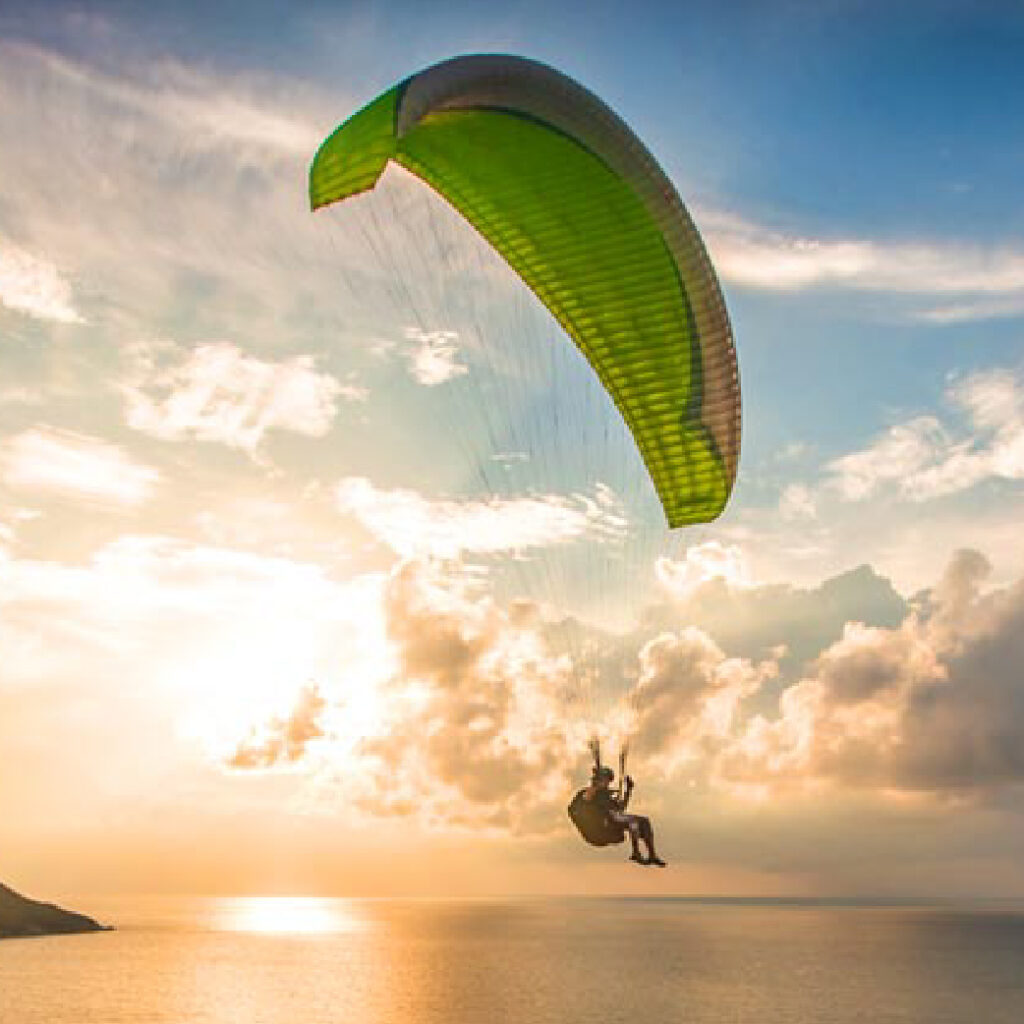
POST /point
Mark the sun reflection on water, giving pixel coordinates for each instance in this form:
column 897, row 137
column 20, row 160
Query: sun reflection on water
column 287, row 915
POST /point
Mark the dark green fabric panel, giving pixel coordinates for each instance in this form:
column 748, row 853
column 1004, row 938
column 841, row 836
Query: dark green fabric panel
column 581, row 239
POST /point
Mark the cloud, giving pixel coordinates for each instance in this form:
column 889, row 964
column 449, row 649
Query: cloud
column 931, row 706
column 782, row 622
column 76, row 466
column 979, row 309
column 962, row 460
column 749, row 254
column 216, row 392
column 433, row 700
column 437, row 703
column 925, row 459
column 896, row 457
column 700, row 564
column 475, row 732
column 410, row 524
column 34, row 286
column 182, row 97
column 217, row 643
column 797, row 502
column 477, row 728
column 433, row 358
column 175, row 197
column 283, row 740
column 687, row 697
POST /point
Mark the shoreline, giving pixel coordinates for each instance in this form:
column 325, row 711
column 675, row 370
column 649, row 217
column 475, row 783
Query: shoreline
column 24, row 918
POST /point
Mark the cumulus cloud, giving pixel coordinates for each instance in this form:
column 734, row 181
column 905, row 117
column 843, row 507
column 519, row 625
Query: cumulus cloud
column 215, row 392
column 465, row 720
column 475, row 733
column 76, row 466
column 34, row 286
column 925, row 459
column 687, row 697
column 990, row 280
column 700, row 564
column 283, row 740
column 756, row 620
column 11, row 518
column 477, row 727
column 933, row 705
column 411, row 524
column 474, row 728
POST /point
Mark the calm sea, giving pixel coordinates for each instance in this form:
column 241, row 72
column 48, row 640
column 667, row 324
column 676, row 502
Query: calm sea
column 317, row 961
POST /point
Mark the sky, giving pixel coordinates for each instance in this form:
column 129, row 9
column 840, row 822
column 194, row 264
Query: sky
column 322, row 552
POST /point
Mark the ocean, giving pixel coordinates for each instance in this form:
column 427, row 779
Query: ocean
column 530, row 961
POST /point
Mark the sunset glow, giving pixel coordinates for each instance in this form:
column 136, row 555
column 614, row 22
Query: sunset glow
column 287, row 915
column 324, row 550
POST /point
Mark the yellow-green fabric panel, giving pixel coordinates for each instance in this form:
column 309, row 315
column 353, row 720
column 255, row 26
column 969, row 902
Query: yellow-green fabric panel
column 583, row 241
column 527, row 87
column 354, row 156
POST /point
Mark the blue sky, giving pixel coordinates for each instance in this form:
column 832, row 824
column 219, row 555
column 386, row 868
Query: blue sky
column 241, row 483
column 802, row 106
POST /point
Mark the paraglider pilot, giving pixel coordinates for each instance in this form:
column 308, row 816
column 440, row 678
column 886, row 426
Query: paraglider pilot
column 600, row 815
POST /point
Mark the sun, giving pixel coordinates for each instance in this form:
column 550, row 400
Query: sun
column 250, row 676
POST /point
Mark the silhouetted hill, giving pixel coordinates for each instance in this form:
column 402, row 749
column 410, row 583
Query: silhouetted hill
column 20, row 916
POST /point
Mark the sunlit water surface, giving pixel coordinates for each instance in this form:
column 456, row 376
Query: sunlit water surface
column 316, row 961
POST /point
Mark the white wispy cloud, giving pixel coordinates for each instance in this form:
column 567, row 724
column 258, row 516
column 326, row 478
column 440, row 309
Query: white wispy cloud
column 169, row 176
column 216, row 392
column 411, row 524
column 925, row 458
column 179, row 95
column 979, row 309
column 797, row 502
column 32, row 285
column 896, row 457
column 434, row 356
column 77, row 466
column 987, row 281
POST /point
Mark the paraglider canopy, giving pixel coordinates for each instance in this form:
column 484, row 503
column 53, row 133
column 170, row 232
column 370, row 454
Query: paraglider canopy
column 563, row 189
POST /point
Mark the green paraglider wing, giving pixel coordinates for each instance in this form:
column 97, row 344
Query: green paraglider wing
column 568, row 195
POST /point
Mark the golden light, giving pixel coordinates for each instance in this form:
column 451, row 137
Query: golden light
column 248, row 676
column 287, row 915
